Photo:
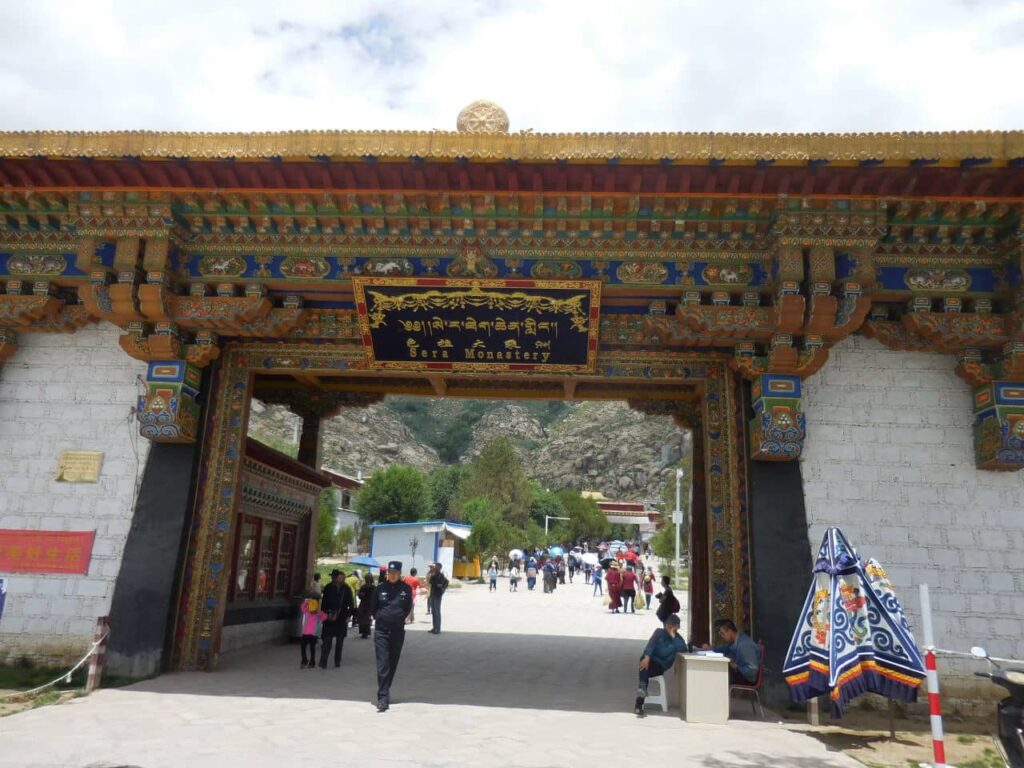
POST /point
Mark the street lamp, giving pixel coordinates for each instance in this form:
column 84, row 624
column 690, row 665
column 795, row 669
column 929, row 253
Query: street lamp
column 413, row 544
column 677, row 517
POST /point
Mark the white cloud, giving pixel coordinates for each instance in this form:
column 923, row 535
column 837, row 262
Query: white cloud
column 555, row 66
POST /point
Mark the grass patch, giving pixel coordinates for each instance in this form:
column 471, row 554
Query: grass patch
column 46, row 698
column 24, row 675
column 965, row 739
column 325, row 571
column 989, row 759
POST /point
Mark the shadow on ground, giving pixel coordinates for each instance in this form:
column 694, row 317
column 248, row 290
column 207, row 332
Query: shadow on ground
column 575, row 674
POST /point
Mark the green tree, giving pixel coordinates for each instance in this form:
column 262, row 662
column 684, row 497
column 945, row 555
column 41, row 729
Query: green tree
column 344, row 538
column 543, row 502
column 395, row 494
column 443, row 486
column 621, row 532
column 453, row 441
column 663, row 542
column 492, row 536
column 325, row 521
column 498, row 475
column 586, row 520
column 532, row 536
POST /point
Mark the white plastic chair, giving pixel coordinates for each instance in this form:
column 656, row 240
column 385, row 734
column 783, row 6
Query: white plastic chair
column 661, row 697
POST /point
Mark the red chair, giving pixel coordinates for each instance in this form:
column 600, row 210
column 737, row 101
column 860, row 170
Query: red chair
column 754, row 687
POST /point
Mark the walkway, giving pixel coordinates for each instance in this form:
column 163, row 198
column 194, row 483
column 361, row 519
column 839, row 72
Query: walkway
column 523, row 678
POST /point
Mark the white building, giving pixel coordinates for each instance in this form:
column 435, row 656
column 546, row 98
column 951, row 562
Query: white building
column 417, row 544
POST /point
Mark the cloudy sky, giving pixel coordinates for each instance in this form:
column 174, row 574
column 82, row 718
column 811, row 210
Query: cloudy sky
column 555, row 65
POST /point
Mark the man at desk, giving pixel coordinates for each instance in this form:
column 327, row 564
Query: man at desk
column 744, row 655
column 659, row 656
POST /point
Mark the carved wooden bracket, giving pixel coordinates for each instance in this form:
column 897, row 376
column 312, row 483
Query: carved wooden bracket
column 972, row 368
column 695, row 324
column 166, row 344
column 154, row 295
column 67, row 319
column 894, row 335
column 954, row 332
column 782, row 359
column 21, row 311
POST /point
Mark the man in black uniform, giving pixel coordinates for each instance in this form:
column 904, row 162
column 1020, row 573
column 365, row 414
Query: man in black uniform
column 338, row 604
column 438, row 584
column 393, row 604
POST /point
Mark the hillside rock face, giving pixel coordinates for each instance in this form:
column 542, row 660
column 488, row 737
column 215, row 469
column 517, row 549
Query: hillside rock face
column 604, row 447
column 357, row 440
column 514, row 422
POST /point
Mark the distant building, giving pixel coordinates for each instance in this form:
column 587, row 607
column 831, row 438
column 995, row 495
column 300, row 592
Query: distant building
column 435, row 541
column 348, row 487
column 627, row 513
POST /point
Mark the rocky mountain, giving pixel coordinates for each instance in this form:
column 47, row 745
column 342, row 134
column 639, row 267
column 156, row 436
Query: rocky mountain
column 357, row 440
column 594, row 446
column 514, row 421
column 607, row 447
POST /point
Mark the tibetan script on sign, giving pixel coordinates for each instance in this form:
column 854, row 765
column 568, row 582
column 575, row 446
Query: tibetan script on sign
column 79, row 466
column 479, row 325
column 45, row 551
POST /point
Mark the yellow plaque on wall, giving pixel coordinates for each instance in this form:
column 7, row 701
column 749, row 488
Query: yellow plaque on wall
column 79, row 466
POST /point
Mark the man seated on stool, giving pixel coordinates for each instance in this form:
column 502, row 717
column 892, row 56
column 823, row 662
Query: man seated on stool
column 743, row 653
column 659, row 656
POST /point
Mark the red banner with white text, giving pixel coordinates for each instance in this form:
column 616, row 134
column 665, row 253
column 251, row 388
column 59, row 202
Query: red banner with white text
column 24, row 551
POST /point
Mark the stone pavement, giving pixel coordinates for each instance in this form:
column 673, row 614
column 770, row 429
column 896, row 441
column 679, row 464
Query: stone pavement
column 523, row 678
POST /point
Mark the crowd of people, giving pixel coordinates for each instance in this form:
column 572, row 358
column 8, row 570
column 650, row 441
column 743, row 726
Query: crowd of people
column 386, row 605
column 630, row 582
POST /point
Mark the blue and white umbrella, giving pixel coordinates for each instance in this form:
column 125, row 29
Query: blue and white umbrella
column 853, row 636
column 366, row 560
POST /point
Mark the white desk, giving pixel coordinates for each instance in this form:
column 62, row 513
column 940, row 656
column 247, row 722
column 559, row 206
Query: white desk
column 703, row 688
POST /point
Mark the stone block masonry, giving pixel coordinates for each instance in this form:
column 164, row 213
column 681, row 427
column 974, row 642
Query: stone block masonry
column 906, row 492
column 66, row 392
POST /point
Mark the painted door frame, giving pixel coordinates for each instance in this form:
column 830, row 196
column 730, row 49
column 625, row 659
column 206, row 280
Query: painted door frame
column 718, row 423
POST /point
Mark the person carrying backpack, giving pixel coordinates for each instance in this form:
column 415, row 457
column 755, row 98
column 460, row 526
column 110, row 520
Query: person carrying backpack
column 669, row 603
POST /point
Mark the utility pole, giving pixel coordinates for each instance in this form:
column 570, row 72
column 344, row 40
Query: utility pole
column 551, row 517
column 677, row 518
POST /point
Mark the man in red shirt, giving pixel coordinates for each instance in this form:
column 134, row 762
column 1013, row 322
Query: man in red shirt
column 414, row 585
column 629, row 590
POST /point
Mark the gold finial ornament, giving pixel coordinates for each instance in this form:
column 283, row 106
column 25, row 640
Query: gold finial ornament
column 483, row 117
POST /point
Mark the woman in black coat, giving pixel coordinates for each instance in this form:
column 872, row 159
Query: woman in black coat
column 367, row 594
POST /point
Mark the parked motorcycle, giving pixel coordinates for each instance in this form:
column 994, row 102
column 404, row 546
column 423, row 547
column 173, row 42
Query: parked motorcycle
column 1009, row 711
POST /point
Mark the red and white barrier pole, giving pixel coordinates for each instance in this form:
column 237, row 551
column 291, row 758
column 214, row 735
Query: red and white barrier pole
column 932, row 676
column 99, row 654
column 935, row 709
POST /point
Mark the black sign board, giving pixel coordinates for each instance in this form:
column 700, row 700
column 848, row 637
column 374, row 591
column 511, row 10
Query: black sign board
column 479, row 325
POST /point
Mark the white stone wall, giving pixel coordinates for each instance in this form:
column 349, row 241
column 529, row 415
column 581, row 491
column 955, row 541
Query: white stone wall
column 66, row 392
column 889, row 458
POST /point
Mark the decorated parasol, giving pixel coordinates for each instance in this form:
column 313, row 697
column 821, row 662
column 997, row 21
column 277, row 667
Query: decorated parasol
column 853, row 636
